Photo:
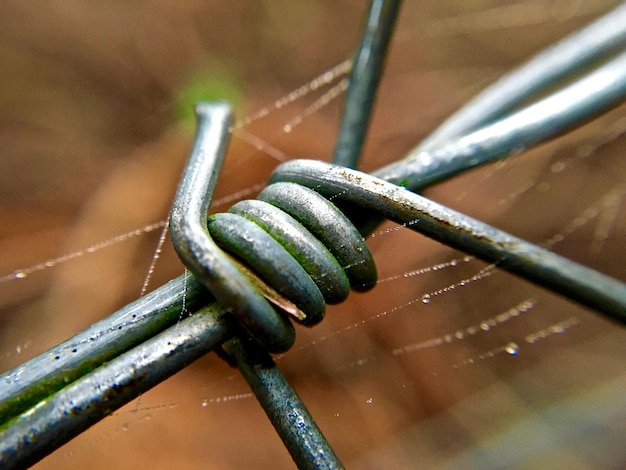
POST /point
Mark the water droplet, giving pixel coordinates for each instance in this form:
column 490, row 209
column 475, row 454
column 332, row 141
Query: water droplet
column 426, row 298
column 557, row 167
column 300, row 422
column 205, row 403
column 369, row 401
column 287, row 128
column 512, row 349
column 20, row 275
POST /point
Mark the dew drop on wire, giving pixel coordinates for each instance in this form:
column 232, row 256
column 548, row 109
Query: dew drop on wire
column 426, row 298
column 557, row 167
column 512, row 349
column 300, row 423
column 20, row 275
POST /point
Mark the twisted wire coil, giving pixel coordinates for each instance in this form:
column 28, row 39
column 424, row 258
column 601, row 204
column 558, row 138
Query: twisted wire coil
column 35, row 383
column 300, row 244
column 292, row 246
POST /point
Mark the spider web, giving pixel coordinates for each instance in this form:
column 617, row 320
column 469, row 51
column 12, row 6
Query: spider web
column 448, row 361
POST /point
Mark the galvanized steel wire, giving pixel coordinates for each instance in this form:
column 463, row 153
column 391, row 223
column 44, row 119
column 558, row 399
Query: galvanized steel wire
column 57, row 395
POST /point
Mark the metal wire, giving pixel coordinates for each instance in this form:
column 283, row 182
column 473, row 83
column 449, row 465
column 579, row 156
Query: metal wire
column 538, row 265
column 291, row 419
column 63, row 415
column 128, row 374
column 46, row 374
column 195, row 246
column 308, row 447
column 572, row 106
column 566, row 58
column 30, row 393
column 248, row 241
column 254, row 235
column 366, row 71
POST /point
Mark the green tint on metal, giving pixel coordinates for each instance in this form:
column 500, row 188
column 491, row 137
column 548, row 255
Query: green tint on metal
column 31, row 382
column 72, row 386
column 539, row 265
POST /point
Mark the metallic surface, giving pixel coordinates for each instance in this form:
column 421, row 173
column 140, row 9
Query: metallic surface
column 258, row 250
column 40, row 379
column 571, row 106
column 26, row 390
column 330, row 226
column 310, row 253
column 63, row 415
column 26, row 385
column 268, row 327
column 602, row 38
column 190, row 236
column 293, row 422
column 538, row 265
column 366, row 71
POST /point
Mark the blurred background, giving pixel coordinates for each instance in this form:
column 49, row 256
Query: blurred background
column 95, row 124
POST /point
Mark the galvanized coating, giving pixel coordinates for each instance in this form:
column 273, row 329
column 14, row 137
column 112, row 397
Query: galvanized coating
column 257, row 249
column 310, row 253
column 328, row 224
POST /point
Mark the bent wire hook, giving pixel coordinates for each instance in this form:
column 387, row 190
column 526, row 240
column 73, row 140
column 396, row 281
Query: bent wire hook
column 191, row 238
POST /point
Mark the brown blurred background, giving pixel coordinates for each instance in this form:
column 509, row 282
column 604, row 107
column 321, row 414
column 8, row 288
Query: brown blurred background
column 95, row 125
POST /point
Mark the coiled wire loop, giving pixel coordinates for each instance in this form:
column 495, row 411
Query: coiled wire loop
column 292, row 246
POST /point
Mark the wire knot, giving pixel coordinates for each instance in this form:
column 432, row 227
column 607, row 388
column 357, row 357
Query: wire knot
column 291, row 247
